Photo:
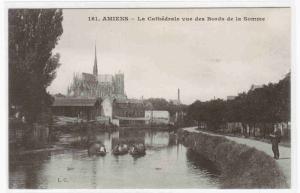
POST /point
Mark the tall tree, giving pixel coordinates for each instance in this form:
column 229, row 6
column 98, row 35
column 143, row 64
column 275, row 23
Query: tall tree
column 268, row 104
column 33, row 34
column 284, row 98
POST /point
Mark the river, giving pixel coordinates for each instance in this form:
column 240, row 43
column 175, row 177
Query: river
column 165, row 165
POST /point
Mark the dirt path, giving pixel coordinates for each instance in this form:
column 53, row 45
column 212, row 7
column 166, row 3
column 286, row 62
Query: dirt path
column 284, row 162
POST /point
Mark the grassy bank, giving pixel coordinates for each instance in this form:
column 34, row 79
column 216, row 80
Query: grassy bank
column 241, row 166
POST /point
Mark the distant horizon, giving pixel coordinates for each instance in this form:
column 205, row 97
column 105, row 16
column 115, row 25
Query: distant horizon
column 203, row 60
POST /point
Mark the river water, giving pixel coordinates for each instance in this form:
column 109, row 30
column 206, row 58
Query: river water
column 165, row 165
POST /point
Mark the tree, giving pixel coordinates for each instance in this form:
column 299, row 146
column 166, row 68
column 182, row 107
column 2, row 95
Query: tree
column 196, row 111
column 33, row 34
column 215, row 113
column 159, row 103
column 284, row 98
column 211, row 112
column 264, row 106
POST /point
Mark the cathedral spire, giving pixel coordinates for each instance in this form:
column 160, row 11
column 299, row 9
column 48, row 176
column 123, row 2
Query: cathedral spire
column 95, row 69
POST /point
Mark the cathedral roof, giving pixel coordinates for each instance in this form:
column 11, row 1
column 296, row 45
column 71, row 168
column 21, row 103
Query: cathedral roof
column 105, row 78
column 88, row 77
column 108, row 78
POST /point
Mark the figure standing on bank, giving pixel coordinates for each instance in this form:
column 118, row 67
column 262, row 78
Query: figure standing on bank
column 275, row 139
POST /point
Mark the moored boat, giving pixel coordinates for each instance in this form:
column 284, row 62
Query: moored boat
column 120, row 149
column 137, row 150
column 97, row 149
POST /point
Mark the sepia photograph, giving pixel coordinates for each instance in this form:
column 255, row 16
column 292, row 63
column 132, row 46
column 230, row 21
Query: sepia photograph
column 149, row 98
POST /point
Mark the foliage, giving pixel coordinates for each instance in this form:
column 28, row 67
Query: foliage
column 163, row 105
column 33, row 34
column 268, row 104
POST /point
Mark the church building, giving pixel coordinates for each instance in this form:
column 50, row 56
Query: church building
column 97, row 85
column 95, row 96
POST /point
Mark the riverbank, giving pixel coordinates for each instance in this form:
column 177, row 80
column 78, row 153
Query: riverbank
column 241, row 165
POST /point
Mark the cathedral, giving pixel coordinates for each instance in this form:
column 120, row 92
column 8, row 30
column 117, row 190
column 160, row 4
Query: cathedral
column 97, row 85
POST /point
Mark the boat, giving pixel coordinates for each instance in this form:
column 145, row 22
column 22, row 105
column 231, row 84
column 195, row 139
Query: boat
column 137, row 150
column 97, row 149
column 120, row 149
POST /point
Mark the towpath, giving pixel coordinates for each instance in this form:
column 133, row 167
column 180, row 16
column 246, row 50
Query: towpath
column 284, row 162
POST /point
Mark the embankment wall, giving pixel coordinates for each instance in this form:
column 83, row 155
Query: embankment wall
column 241, row 166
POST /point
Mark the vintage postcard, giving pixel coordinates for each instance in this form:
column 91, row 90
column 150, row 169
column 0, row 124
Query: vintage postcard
column 149, row 98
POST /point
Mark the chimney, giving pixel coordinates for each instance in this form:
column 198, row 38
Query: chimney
column 178, row 92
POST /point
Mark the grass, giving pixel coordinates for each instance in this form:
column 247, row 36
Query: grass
column 240, row 166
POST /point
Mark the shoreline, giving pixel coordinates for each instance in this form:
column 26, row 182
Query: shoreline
column 241, row 165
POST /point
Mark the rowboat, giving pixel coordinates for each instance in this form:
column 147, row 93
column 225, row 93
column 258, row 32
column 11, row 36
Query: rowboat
column 137, row 149
column 120, row 149
column 97, row 149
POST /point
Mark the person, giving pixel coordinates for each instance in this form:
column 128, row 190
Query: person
column 116, row 148
column 120, row 148
column 102, row 149
column 275, row 139
column 133, row 149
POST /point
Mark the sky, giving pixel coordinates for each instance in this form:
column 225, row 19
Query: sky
column 205, row 59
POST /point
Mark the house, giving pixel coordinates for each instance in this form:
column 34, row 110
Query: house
column 157, row 117
column 106, row 108
column 129, row 111
column 84, row 108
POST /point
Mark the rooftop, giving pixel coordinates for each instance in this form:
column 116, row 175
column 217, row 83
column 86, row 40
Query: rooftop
column 75, row 102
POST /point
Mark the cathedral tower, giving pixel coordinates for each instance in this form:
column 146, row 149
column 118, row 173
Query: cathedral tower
column 95, row 69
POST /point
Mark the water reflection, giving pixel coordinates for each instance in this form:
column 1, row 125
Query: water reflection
column 165, row 165
column 197, row 161
column 24, row 173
